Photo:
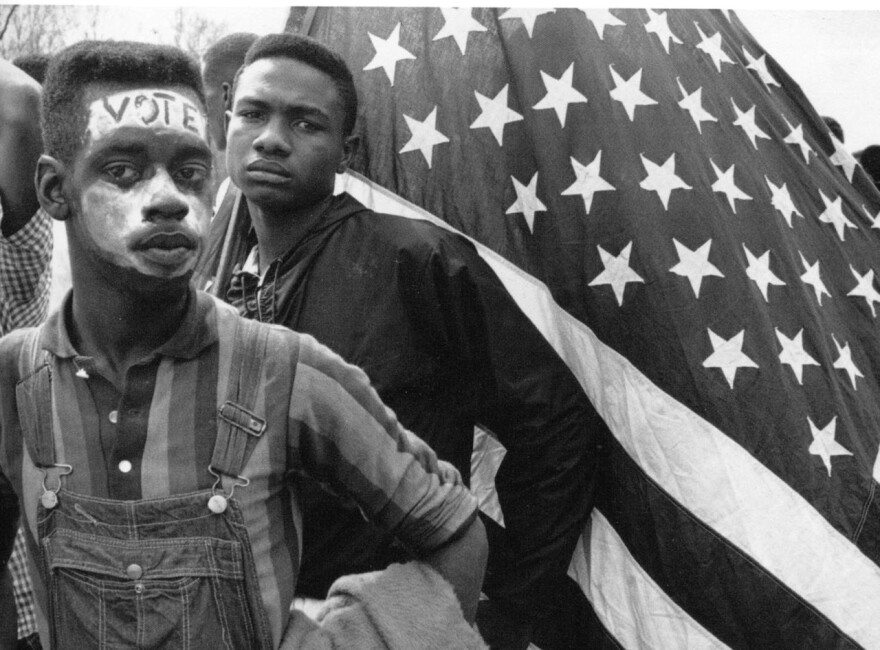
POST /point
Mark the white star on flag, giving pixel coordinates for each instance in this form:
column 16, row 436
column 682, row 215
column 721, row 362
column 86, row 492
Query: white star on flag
column 746, row 121
column 845, row 362
column 781, row 200
column 712, row 47
column 833, row 214
column 495, row 114
column 628, row 92
column 695, row 265
column 865, row 288
column 662, row 179
column 658, row 24
column 693, row 104
column 602, row 18
column 425, row 135
column 459, row 24
column 587, row 181
column 726, row 186
column 560, row 93
column 794, row 355
column 527, row 201
column 759, row 65
column 796, row 137
column 813, row 278
column 528, row 16
column 759, row 272
column 728, row 355
column 843, row 158
column 824, row 445
column 388, row 53
column 875, row 220
column 617, row 271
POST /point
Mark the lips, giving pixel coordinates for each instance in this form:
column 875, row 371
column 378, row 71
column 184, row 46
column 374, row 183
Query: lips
column 167, row 241
column 168, row 249
column 267, row 170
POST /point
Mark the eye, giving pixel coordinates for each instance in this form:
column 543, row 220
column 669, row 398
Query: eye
column 122, row 173
column 249, row 115
column 192, row 173
column 305, row 125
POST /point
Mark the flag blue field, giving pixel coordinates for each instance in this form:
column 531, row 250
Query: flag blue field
column 673, row 214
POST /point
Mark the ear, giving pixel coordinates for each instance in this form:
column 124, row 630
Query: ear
column 349, row 149
column 49, row 183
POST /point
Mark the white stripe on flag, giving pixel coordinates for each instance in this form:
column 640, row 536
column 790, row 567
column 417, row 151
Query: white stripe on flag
column 694, row 462
column 633, row 609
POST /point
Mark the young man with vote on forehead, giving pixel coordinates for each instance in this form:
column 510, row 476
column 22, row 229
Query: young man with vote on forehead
column 150, row 433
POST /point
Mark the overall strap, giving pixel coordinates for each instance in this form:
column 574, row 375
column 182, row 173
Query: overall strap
column 33, row 394
column 238, row 426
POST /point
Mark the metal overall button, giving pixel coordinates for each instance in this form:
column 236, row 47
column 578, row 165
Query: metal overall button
column 138, row 587
column 134, row 571
column 220, row 501
column 49, row 497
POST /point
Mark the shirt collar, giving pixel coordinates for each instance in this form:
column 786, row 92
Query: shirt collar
column 197, row 330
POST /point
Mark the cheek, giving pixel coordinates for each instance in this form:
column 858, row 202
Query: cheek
column 105, row 215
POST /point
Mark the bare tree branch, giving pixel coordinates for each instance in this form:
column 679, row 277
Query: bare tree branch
column 12, row 9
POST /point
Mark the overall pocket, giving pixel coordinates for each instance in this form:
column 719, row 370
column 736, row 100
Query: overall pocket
column 148, row 593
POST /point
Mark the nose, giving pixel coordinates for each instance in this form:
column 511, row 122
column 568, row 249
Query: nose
column 164, row 199
column 272, row 139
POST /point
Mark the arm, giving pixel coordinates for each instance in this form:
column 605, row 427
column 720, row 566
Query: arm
column 25, row 231
column 347, row 436
column 20, row 146
column 525, row 394
column 462, row 561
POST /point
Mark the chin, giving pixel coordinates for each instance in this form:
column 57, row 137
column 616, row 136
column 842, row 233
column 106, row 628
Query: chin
column 151, row 287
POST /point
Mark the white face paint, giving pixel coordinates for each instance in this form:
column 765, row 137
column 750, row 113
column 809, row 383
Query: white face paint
column 143, row 182
column 145, row 107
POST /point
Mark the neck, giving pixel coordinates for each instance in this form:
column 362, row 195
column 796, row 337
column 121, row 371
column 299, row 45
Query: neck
column 118, row 328
column 279, row 231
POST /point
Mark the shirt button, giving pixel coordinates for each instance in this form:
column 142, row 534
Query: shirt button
column 125, row 466
column 134, row 571
column 113, row 416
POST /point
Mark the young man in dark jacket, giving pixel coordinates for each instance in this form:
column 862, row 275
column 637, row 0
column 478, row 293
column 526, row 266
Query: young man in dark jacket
column 414, row 305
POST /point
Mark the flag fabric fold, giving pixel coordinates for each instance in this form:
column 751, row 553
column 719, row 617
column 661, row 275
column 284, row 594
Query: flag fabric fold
column 670, row 210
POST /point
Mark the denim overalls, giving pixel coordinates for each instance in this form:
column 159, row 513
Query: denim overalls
column 172, row 572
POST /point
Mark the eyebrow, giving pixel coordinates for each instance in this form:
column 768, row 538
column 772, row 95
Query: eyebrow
column 295, row 109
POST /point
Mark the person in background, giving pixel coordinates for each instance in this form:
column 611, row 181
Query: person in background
column 149, row 432
column 869, row 159
column 219, row 64
column 445, row 344
column 834, row 126
column 25, row 252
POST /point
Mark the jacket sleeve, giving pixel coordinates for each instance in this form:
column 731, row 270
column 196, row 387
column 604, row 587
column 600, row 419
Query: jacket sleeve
column 527, row 397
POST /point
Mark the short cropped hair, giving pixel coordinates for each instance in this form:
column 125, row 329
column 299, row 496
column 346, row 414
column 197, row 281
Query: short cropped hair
column 127, row 63
column 33, row 64
column 313, row 53
column 225, row 54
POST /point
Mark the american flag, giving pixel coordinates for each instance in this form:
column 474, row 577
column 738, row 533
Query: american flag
column 674, row 215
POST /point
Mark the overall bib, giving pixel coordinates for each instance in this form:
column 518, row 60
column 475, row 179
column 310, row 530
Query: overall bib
column 171, row 572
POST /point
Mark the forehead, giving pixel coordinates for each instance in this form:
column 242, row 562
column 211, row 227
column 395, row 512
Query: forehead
column 169, row 108
column 283, row 77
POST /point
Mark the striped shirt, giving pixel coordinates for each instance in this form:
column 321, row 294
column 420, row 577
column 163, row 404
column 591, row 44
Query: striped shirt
column 155, row 438
column 24, row 299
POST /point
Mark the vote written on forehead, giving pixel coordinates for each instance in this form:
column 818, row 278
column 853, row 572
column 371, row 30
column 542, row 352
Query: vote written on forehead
column 145, row 108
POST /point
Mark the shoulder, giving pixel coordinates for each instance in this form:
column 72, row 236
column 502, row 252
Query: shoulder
column 12, row 347
column 398, row 231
